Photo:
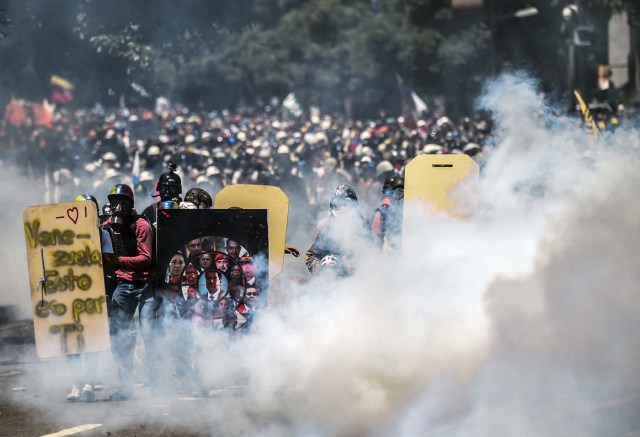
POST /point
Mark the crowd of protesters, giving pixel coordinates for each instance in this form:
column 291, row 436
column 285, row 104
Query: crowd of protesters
column 138, row 155
column 307, row 156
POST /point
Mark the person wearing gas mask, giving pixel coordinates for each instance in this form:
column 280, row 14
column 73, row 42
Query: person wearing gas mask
column 131, row 238
column 169, row 188
column 386, row 226
column 338, row 235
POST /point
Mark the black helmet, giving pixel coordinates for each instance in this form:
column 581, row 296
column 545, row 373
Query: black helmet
column 394, row 187
column 121, row 190
column 393, row 183
column 170, row 179
column 199, row 197
column 169, row 184
column 343, row 195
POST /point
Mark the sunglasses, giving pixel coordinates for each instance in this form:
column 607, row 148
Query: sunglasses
column 251, row 294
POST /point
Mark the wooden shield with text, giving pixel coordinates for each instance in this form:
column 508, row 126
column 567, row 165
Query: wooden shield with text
column 266, row 197
column 66, row 278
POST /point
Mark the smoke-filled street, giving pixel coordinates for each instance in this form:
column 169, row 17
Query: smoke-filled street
column 310, row 218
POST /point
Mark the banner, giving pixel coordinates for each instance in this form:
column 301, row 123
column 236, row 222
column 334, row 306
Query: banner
column 66, row 278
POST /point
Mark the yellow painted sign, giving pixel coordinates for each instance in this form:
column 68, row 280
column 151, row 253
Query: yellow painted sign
column 442, row 185
column 66, row 278
column 266, row 197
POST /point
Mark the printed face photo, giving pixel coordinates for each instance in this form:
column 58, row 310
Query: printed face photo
column 251, row 293
column 176, row 265
column 249, row 271
column 206, row 261
column 236, row 272
column 191, row 275
column 212, row 280
column 222, row 263
column 233, row 249
column 194, row 245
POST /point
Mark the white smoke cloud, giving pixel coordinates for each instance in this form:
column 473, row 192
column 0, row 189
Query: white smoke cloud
column 520, row 322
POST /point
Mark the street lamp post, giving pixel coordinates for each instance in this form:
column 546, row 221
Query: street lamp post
column 493, row 20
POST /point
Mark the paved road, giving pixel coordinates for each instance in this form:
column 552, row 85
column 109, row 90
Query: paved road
column 32, row 403
column 32, row 400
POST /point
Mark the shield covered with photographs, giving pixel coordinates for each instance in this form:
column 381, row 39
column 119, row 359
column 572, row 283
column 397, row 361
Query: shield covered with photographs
column 213, row 265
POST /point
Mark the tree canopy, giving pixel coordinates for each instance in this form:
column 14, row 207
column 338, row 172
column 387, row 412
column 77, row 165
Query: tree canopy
column 220, row 54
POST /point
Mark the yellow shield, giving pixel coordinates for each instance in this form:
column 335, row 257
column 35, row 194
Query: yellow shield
column 442, row 185
column 266, row 197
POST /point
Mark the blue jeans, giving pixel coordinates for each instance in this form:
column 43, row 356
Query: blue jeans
column 126, row 298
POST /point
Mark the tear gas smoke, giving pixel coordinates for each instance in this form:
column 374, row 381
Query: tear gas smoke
column 520, row 322
column 16, row 195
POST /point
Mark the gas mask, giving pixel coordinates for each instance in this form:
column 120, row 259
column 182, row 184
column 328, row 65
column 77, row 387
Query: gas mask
column 121, row 209
column 343, row 208
column 169, row 192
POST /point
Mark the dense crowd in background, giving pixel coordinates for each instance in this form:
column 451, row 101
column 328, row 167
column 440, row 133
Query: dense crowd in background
column 91, row 150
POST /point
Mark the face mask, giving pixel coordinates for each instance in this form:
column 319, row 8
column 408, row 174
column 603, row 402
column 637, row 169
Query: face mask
column 343, row 211
column 121, row 208
column 168, row 192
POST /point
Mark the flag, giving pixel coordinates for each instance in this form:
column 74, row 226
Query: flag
column 586, row 114
column 42, row 114
column 139, row 89
column 419, row 104
column 61, row 90
column 135, row 171
column 14, row 113
column 291, row 105
column 47, row 184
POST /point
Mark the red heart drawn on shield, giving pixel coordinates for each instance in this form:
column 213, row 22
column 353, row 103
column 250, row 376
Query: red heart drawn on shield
column 72, row 213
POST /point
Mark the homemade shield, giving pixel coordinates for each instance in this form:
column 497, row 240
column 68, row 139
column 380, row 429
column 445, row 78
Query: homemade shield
column 266, row 197
column 437, row 186
column 66, row 278
column 216, row 261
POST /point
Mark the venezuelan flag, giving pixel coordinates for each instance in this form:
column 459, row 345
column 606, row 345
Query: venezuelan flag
column 61, row 90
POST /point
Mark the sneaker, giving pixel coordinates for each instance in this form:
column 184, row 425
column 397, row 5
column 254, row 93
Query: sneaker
column 74, row 395
column 87, row 393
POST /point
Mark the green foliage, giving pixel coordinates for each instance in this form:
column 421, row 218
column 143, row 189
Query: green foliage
column 222, row 52
column 125, row 45
column 5, row 23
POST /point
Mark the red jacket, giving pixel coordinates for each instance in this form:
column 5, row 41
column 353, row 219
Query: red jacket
column 139, row 267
